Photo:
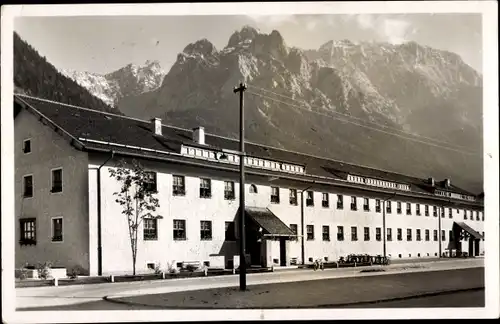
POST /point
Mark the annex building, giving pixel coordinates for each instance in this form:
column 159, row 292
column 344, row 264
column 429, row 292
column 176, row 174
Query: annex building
column 299, row 207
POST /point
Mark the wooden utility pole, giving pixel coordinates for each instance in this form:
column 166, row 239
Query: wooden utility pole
column 243, row 266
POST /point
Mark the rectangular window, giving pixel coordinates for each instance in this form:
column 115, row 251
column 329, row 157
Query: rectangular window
column 442, row 212
column 399, row 207
column 427, row 236
column 367, row 234
column 229, row 232
column 205, row 230
column 310, row 232
column 465, row 214
column 378, row 234
column 28, row 231
column 426, row 210
column 354, row 203
column 326, row 233
column 57, row 229
column 389, row 234
column 28, row 186
column 435, row 232
column 377, row 205
column 443, row 235
column 408, row 209
column 400, row 234
column 434, row 213
column 150, row 181
column 295, row 231
column 366, row 204
column 340, row 202
column 275, row 195
column 388, row 207
column 450, row 213
column 477, row 215
column 419, row 237
column 205, row 188
column 57, row 180
column 178, row 186
column 418, row 209
column 27, row 146
column 482, row 216
column 310, row 198
column 325, row 201
column 340, row 233
column 354, row 233
column 293, row 197
column 150, row 229
column 408, row 234
column 229, row 190
column 179, row 229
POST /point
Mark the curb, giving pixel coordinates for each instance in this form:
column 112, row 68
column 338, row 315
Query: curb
column 421, row 295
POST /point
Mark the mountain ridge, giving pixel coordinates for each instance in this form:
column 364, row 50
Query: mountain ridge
column 131, row 79
column 409, row 87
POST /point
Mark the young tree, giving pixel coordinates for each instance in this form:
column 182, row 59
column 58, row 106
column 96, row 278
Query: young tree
column 137, row 198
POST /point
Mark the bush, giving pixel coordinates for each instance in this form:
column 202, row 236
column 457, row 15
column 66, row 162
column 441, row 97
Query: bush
column 158, row 269
column 75, row 271
column 24, row 271
column 44, row 270
column 171, row 268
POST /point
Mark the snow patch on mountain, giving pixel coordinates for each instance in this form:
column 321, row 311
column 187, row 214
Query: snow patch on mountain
column 129, row 80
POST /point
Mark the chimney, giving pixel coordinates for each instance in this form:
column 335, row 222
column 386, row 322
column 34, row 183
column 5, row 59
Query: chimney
column 156, row 126
column 199, row 135
column 447, row 183
column 431, row 181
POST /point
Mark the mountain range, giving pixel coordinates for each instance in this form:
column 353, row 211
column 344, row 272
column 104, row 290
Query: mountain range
column 355, row 102
column 130, row 80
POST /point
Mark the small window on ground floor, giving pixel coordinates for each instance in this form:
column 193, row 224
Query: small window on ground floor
column 57, row 229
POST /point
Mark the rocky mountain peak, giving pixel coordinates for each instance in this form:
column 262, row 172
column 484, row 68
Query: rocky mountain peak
column 203, row 46
column 247, row 33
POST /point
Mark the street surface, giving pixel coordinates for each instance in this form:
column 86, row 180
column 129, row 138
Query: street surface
column 310, row 284
column 321, row 293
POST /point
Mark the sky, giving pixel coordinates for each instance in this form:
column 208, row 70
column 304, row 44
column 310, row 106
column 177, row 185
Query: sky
column 102, row 44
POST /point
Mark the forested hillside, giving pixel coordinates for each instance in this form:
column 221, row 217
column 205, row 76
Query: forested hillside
column 38, row 78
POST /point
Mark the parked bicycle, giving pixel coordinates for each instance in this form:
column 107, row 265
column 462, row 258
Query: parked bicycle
column 318, row 264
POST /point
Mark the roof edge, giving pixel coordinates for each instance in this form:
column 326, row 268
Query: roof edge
column 234, row 140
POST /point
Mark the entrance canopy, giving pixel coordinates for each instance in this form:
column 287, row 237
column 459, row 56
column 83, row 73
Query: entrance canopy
column 468, row 229
column 271, row 225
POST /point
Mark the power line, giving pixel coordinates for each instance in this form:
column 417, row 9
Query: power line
column 365, row 126
column 364, row 120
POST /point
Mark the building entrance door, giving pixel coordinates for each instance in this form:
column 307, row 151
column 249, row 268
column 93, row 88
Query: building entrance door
column 282, row 252
column 471, row 246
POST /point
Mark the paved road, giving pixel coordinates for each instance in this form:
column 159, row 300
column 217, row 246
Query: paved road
column 317, row 293
column 470, row 298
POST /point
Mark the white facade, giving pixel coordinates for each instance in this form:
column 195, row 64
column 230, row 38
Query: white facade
column 77, row 205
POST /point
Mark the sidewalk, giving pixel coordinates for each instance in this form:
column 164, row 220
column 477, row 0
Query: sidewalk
column 67, row 295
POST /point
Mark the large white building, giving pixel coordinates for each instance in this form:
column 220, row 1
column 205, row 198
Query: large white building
column 298, row 207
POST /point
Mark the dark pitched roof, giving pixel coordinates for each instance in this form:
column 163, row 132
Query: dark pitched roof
column 469, row 230
column 269, row 222
column 105, row 127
